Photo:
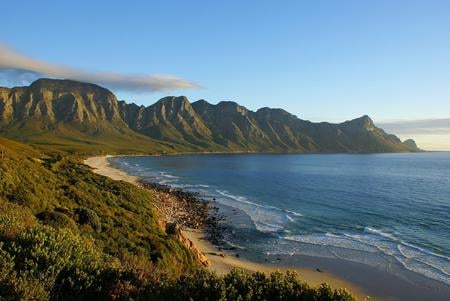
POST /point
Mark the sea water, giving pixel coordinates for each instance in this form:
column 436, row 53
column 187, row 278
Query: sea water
column 390, row 211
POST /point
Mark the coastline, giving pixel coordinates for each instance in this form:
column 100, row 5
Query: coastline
column 360, row 280
column 101, row 166
column 222, row 262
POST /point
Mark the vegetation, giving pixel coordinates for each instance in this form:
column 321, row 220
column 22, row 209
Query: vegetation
column 67, row 233
column 119, row 216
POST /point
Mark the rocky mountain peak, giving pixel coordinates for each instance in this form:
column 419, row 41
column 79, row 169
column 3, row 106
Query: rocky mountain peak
column 363, row 122
column 173, row 100
column 68, row 86
column 201, row 103
column 231, row 107
column 63, row 101
column 411, row 144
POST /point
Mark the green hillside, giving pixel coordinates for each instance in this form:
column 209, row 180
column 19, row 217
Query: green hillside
column 10, row 148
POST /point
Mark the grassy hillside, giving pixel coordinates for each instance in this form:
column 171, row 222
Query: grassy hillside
column 65, row 137
column 119, row 216
column 15, row 149
column 69, row 234
column 47, row 194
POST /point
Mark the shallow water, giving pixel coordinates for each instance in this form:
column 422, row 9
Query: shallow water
column 390, row 211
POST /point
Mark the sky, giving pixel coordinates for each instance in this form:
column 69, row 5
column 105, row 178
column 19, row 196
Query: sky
column 320, row 60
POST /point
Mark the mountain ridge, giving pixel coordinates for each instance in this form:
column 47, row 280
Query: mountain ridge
column 86, row 114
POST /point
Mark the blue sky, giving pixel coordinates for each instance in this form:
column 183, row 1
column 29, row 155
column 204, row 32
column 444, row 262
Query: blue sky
column 321, row 60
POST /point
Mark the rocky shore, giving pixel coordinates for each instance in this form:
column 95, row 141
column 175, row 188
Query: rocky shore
column 187, row 211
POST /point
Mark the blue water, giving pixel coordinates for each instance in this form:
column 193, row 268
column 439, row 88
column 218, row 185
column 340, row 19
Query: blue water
column 391, row 211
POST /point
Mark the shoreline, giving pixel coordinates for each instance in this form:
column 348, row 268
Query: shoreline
column 358, row 279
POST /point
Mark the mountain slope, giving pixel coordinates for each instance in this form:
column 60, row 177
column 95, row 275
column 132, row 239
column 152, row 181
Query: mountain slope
column 76, row 116
column 70, row 115
column 277, row 130
column 233, row 126
column 170, row 119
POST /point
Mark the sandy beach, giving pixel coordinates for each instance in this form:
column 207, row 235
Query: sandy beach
column 101, row 166
column 359, row 279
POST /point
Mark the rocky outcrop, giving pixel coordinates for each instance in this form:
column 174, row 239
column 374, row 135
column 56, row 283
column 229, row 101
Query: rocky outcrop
column 174, row 229
column 410, row 143
column 170, row 119
column 52, row 101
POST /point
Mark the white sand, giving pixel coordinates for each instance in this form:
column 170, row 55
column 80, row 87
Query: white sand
column 101, row 166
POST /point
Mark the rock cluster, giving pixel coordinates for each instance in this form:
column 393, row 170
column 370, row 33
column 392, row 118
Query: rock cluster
column 179, row 206
column 183, row 209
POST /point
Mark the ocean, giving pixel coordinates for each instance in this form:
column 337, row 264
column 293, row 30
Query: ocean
column 388, row 211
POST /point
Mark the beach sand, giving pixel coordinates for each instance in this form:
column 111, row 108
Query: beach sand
column 101, row 166
column 358, row 279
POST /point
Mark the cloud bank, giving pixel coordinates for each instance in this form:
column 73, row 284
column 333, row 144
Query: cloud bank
column 426, row 126
column 429, row 134
column 19, row 68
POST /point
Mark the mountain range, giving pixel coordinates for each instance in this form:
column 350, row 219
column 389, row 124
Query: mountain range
column 80, row 116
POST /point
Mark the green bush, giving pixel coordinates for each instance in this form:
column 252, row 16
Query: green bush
column 240, row 285
column 86, row 216
column 39, row 254
column 56, row 220
column 119, row 216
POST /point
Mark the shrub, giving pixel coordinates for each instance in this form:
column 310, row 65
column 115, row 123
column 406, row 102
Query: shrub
column 56, row 220
column 86, row 216
column 240, row 285
column 32, row 259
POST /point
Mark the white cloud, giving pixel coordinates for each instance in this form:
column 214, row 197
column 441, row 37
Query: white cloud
column 429, row 134
column 19, row 68
column 425, row 126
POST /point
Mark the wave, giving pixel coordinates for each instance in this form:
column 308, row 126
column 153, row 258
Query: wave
column 293, row 212
column 330, row 241
column 262, row 216
column 266, row 218
column 268, row 227
column 194, row 187
column 160, row 177
column 244, row 200
column 429, row 266
column 167, row 175
column 381, row 233
column 289, row 218
column 410, row 252
column 240, row 199
column 425, row 251
column 412, row 257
